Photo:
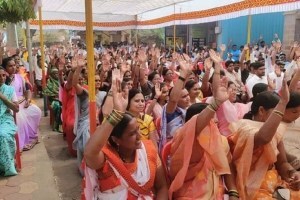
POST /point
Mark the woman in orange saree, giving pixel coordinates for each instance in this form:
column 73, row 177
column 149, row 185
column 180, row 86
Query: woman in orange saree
column 200, row 154
column 127, row 168
column 258, row 153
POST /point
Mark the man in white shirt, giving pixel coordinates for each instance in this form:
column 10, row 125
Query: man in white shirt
column 277, row 75
column 258, row 77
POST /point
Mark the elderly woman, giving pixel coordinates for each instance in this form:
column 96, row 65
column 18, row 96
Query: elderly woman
column 51, row 91
column 126, row 167
column 8, row 102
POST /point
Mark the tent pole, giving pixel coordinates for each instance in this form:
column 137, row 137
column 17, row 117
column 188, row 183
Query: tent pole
column 90, row 62
column 174, row 32
column 29, row 49
column 42, row 58
column 249, row 34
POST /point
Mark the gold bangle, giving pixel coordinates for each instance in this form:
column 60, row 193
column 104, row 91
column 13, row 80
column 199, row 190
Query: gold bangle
column 118, row 113
column 111, row 121
column 277, row 112
column 114, row 117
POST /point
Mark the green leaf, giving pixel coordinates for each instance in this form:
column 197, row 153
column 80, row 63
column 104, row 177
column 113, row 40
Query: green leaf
column 14, row 11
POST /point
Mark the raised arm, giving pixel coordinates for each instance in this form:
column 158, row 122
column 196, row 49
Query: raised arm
column 158, row 93
column 217, row 60
column 179, row 85
column 293, row 50
column 75, row 80
column 296, row 77
column 94, row 157
column 269, row 128
column 205, row 81
column 220, row 95
column 223, row 49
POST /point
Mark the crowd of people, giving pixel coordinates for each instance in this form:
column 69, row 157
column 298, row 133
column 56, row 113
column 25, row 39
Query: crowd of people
column 178, row 123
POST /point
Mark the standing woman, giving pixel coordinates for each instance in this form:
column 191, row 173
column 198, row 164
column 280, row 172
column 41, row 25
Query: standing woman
column 8, row 128
column 29, row 115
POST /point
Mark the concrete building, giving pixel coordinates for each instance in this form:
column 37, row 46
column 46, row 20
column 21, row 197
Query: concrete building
column 285, row 24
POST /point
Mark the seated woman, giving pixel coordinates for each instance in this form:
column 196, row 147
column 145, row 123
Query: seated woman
column 126, row 167
column 29, row 115
column 136, row 106
column 52, row 91
column 200, row 155
column 8, row 102
column 291, row 138
column 194, row 91
column 82, row 113
column 258, row 152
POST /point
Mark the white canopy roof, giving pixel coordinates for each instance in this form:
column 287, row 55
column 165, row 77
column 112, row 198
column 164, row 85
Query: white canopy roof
column 147, row 14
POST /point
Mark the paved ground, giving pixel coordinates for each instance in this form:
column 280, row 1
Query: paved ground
column 48, row 172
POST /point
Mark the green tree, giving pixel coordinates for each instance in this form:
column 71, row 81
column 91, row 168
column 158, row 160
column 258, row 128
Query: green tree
column 150, row 35
column 14, row 11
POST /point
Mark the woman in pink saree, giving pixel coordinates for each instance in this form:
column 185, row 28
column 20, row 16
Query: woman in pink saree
column 230, row 111
column 29, row 115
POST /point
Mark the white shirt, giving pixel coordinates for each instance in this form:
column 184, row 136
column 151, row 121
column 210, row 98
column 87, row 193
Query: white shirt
column 276, row 80
column 253, row 81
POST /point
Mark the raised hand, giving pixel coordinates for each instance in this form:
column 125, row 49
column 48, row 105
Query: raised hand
column 142, row 57
column 186, row 57
column 223, row 47
column 184, row 66
column 277, row 71
column 278, row 46
column 284, row 91
column 120, row 99
column 215, row 57
column 208, row 64
column 295, row 44
column 158, row 91
column 124, row 67
column 221, row 95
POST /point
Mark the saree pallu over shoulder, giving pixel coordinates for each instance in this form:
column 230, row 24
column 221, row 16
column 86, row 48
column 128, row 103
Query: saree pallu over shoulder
column 146, row 125
column 128, row 180
column 8, row 129
column 198, row 180
column 252, row 165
